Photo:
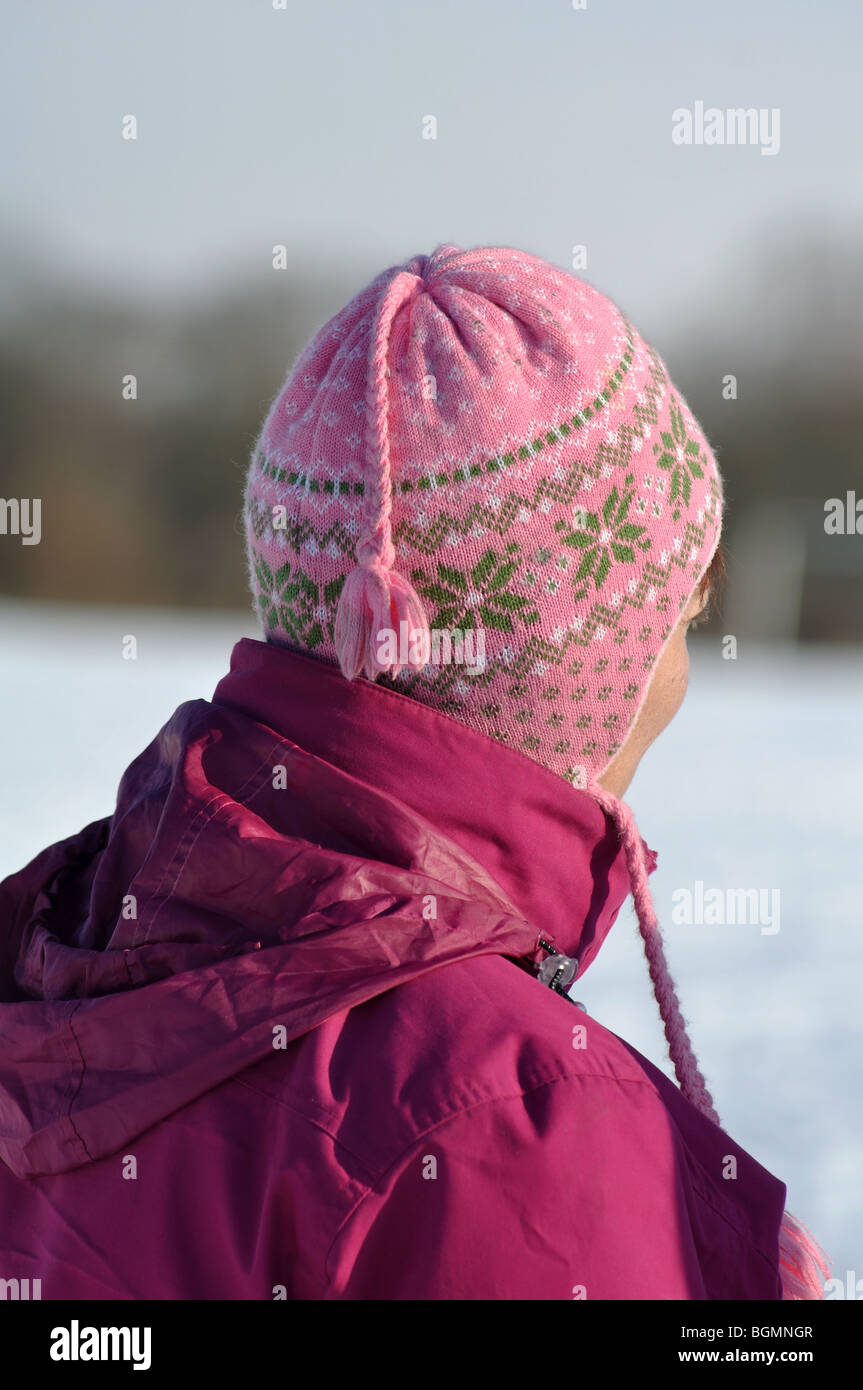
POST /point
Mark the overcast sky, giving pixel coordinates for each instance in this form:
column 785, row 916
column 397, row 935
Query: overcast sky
column 304, row 126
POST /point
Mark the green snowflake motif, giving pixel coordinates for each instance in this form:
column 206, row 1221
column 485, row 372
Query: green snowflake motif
column 480, row 597
column 681, row 457
column 292, row 602
column 604, row 537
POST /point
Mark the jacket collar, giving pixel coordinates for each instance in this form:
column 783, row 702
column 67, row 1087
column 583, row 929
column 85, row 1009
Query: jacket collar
column 549, row 845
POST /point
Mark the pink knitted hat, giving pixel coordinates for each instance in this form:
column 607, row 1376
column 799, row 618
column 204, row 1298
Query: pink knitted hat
column 482, row 442
column 480, row 452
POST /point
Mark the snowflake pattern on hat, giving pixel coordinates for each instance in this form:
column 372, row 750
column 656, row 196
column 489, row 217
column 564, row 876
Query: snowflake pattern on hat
column 547, row 484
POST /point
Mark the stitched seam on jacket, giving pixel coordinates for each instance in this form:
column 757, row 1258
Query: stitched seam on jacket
column 77, row 1132
column 514, row 1095
column 316, row 1124
column 463, row 1109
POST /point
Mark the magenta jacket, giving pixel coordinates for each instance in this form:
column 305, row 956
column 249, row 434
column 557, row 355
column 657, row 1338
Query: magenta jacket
column 272, row 1030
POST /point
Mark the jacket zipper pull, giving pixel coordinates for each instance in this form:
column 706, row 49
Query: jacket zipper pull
column 557, row 971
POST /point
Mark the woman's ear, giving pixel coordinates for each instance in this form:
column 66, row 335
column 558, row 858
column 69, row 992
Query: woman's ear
column 663, row 699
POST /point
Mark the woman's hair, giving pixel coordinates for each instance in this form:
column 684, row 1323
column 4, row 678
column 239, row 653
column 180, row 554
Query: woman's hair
column 712, row 584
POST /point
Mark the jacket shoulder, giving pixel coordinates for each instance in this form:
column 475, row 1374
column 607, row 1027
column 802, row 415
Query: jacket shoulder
column 500, row 1143
column 388, row 1071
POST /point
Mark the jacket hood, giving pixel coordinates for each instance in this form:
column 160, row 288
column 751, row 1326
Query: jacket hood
column 277, row 855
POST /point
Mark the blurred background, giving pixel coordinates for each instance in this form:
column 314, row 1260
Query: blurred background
column 299, row 126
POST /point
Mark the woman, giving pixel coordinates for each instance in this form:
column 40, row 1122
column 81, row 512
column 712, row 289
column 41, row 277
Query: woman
column 282, row 1025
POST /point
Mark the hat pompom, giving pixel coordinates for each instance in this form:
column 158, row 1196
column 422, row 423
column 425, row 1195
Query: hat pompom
column 373, row 604
column 802, row 1262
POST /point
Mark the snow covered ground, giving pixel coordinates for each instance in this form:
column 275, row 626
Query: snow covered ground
column 758, row 784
